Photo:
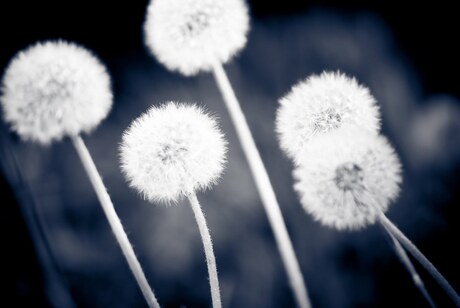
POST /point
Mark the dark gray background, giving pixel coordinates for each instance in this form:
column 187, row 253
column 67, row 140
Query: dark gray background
column 57, row 245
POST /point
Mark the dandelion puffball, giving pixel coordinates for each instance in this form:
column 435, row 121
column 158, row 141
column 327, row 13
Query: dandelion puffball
column 321, row 104
column 172, row 151
column 191, row 35
column 347, row 178
column 55, row 89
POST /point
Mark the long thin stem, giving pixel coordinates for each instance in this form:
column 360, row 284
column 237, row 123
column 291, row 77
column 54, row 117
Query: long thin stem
column 55, row 284
column 114, row 221
column 421, row 258
column 407, row 263
column 208, row 250
column 264, row 187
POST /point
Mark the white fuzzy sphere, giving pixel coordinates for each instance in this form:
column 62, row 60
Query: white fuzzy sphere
column 55, row 89
column 190, row 35
column 172, row 151
column 321, row 104
column 347, row 178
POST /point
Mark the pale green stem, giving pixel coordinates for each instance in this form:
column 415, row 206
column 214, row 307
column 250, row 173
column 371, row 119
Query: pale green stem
column 264, row 188
column 114, row 221
column 417, row 254
column 404, row 258
column 208, row 250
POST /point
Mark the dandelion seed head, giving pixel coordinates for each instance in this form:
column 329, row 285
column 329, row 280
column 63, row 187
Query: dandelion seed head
column 171, row 151
column 322, row 104
column 347, row 178
column 191, row 35
column 55, row 89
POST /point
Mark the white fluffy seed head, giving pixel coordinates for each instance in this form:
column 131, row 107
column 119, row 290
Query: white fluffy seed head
column 191, row 35
column 55, row 89
column 321, row 104
column 347, row 178
column 172, row 151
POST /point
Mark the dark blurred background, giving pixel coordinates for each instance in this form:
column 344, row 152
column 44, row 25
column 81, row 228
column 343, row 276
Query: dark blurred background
column 58, row 249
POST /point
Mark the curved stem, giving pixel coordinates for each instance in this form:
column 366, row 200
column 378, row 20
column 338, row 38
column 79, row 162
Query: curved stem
column 114, row 221
column 208, row 250
column 417, row 254
column 264, row 188
column 404, row 258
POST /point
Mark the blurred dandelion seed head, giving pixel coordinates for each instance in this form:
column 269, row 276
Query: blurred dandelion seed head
column 171, row 151
column 321, row 104
column 346, row 178
column 191, row 35
column 55, row 89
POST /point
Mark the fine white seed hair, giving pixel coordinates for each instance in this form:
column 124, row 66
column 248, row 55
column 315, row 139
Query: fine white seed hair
column 321, row 104
column 55, row 89
column 171, row 151
column 347, row 178
column 191, row 35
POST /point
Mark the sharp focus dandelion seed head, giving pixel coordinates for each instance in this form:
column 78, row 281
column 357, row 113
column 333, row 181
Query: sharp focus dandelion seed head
column 322, row 104
column 346, row 178
column 190, row 35
column 55, row 89
column 171, row 151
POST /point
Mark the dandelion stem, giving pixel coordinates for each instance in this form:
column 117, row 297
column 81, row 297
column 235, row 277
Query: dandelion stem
column 114, row 221
column 264, row 187
column 209, row 252
column 404, row 258
column 417, row 254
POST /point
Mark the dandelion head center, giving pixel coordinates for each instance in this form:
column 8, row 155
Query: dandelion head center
column 349, row 176
column 55, row 90
column 54, row 81
column 327, row 120
column 196, row 24
column 50, row 88
column 172, row 152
